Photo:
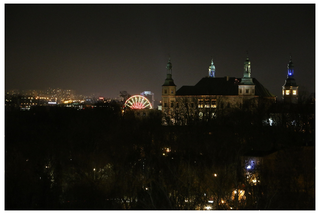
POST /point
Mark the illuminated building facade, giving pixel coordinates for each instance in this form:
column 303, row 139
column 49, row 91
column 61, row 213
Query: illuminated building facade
column 211, row 96
column 290, row 87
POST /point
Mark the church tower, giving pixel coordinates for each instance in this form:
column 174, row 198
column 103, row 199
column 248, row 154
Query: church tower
column 212, row 69
column 246, row 86
column 168, row 91
column 290, row 87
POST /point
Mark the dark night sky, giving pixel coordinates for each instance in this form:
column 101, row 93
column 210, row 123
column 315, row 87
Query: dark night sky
column 105, row 49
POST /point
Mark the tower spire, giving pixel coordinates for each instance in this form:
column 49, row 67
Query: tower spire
column 290, row 68
column 169, row 67
column 212, row 69
column 247, row 80
column 290, row 87
column 169, row 80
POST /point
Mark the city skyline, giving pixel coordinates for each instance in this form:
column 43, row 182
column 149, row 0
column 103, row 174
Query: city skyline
column 110, row 48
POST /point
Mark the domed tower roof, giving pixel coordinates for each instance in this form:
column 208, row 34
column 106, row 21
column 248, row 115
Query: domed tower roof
column 169, row 80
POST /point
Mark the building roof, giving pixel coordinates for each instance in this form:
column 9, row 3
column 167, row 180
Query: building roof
column 221, row 86
column 290, row 82
column 169, row 81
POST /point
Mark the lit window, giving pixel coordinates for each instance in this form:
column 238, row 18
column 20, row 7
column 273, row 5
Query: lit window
column 294, row 92
column 287, row 92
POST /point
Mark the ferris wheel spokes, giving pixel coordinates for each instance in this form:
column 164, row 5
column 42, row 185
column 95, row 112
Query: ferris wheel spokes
column 138, row 102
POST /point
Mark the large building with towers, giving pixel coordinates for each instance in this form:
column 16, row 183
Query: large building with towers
column 213, row 95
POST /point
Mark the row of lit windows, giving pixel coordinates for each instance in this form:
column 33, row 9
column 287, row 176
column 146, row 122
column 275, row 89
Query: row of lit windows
column 294, row 92
column 207, row 106
column 206, row 103
column 28, row 103
column 29, row 98
column 200, row 104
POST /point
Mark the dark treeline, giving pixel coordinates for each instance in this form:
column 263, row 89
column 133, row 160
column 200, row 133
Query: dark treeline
column 62, row 158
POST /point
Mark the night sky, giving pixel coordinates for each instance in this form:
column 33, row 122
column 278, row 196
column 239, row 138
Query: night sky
column 105, row 49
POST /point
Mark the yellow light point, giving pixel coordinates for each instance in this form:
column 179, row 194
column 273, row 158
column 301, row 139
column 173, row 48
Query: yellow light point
column 208, row 208
column 215, row 175
column 94, row 169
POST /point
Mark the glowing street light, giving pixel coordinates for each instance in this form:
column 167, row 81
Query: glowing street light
column 208, row 207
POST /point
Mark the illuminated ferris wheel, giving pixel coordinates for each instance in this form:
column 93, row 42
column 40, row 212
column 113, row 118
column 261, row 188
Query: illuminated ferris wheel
column 138, row 102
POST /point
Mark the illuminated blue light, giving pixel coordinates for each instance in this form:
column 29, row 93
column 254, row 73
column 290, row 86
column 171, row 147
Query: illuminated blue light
column 290, row 72
column 249, row 167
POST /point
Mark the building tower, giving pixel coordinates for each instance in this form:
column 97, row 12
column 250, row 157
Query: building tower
column 246, row 86
column 168, row 91
column 212, row 70
column 290, row 87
